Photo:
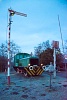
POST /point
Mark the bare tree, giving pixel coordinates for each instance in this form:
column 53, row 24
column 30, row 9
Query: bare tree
column 41, row 47
column 65, row 46
column 3, row 50
column 14, row 49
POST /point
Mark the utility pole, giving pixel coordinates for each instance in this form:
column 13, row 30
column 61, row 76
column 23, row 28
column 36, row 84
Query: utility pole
column 11, row 13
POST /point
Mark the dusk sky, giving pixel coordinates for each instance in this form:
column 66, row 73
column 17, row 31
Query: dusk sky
column 40, row 25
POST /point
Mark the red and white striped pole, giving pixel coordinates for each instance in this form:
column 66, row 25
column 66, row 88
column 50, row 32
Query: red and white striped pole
column 11, row 13
column 9, row 29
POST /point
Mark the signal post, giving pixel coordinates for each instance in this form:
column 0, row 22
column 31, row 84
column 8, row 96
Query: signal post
column 11, row 13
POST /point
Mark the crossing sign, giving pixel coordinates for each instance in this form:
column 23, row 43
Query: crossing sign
column 55, row 44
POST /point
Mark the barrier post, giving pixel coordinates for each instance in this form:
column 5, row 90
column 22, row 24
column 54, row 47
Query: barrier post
column 54, row 63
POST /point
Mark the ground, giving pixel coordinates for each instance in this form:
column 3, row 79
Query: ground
column 33, row 88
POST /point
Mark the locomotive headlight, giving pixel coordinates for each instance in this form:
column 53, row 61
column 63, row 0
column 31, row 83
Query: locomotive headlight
column 41, row 64
column 28, row 64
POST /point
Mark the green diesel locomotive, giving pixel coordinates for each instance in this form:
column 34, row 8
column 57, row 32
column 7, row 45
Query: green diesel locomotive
column 27, row 64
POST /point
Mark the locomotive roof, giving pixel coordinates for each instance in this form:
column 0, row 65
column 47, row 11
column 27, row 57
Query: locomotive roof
column 26, row 56
column 22, row 53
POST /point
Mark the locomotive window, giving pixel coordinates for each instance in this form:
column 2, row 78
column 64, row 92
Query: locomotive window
column 24, row 56
column 20, row 56
column 17, row 56
column 34, row 61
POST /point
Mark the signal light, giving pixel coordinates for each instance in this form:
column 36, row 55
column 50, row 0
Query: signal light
column 12, row 13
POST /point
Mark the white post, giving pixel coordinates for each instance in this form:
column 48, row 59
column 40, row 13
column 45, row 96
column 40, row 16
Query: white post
column 54, row 63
